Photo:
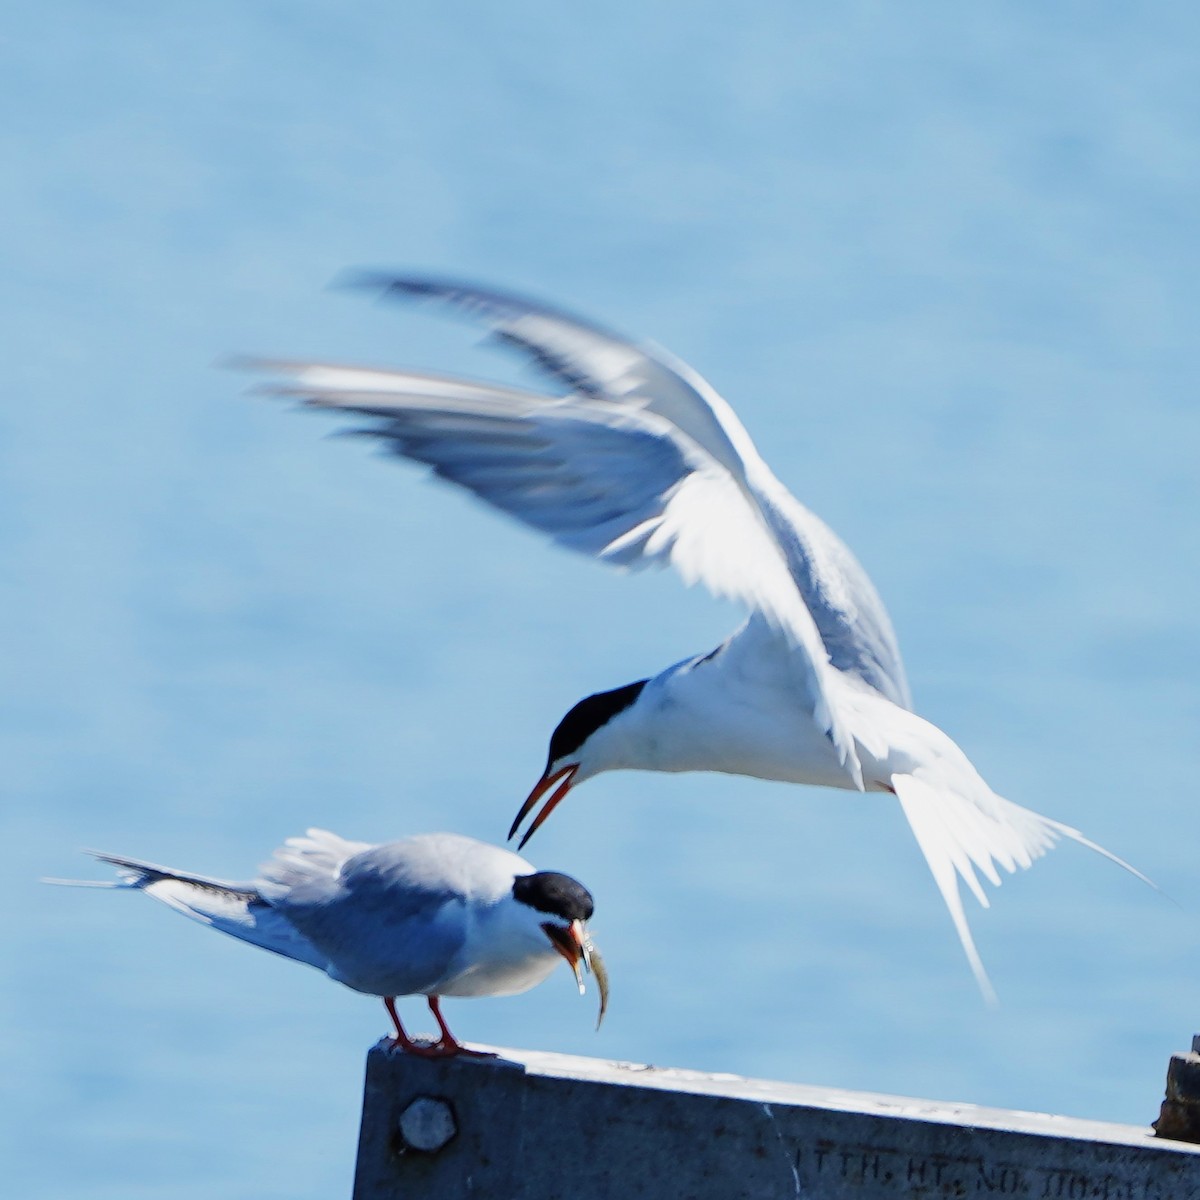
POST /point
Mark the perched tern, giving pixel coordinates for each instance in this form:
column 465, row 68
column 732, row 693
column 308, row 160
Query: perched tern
column 434, row 915
column 638, row 462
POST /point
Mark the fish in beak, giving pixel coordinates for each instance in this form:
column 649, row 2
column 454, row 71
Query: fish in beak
column 563, row 777
column 576, row 946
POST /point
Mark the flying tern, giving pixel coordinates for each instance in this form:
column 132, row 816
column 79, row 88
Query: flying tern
column 433, row 915
column 637, row 461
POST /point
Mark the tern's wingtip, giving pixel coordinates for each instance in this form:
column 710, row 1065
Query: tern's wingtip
column 399, row 284
column 243, row 362
column 79, row 883
column 386, row 284
column 362, row 279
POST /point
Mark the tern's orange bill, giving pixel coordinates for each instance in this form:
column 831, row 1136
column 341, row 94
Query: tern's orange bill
column 577, row 947
column 563, row 778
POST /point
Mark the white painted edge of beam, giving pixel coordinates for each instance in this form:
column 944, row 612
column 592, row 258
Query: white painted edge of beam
column 763, row 1091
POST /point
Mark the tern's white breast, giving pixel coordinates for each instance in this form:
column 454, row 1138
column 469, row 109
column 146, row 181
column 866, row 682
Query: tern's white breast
column 745, row 710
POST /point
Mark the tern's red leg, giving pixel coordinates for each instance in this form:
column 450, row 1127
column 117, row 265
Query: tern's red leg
column 405, row 1042
column 450, row 1043
column 448, row 1039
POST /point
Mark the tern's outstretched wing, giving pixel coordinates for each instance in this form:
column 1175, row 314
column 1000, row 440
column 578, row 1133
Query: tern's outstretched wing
column 616, row 481
column 604, row 367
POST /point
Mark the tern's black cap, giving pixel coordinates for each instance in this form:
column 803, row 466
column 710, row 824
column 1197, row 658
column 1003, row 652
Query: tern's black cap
column 555, row 894
column 589, row 715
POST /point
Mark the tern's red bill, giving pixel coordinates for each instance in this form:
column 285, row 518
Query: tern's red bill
column 563, row 778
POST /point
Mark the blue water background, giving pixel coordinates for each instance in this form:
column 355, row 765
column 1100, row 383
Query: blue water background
column 944, row 263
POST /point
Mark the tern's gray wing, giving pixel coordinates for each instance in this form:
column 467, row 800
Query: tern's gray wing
column 389, row 921
column 605, row 367
column 613, row 480
column 588, row 359
column 852, row 620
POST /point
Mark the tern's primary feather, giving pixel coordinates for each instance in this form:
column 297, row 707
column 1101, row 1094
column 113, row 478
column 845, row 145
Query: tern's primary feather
column 608, row 368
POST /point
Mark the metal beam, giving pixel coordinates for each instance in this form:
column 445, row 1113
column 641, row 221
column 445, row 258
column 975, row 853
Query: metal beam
column 540, row 1126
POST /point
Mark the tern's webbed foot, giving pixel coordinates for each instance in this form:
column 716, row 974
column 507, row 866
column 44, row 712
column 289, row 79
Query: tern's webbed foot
column 469, row 1053
column 440, row 1049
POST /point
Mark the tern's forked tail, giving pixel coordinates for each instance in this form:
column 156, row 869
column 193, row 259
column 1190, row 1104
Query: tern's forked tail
column 962, row 831
column 237, row 909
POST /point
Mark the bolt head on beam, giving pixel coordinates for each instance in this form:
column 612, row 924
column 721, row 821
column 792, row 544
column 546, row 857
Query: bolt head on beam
column 427, row 1124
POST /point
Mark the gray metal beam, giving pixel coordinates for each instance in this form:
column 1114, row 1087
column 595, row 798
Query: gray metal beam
column 542, row 1126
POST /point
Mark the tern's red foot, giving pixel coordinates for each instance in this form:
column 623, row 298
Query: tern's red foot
column 424, row 1050
column 433, row 1050
column 452, row 1049
column 450, row 1043
column 447, row 1047
column 467, row 1052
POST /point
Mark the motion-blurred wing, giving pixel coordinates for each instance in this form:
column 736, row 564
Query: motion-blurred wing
column 614, row 481
column 603, row 366
column 590, row 360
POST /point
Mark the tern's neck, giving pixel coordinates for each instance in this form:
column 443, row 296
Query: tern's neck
column 668, row 728
column 703, row 716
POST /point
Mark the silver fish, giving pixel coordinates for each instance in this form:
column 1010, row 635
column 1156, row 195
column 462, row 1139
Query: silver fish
column 595, row 964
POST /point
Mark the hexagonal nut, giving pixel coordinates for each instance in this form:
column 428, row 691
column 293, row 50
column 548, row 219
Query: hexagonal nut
column 427, row 1124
